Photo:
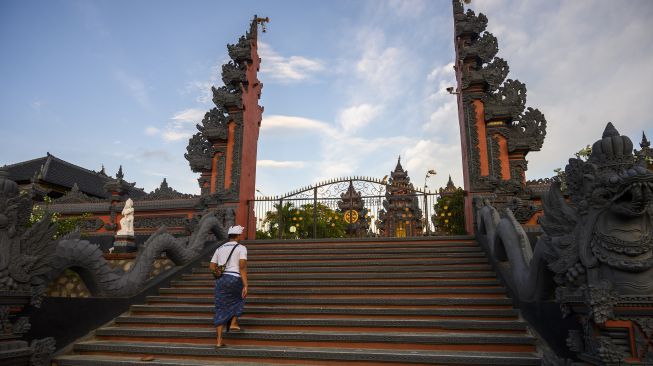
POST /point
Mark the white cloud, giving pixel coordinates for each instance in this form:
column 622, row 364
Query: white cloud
column 426, row 155
column 176, row 135
column 286, row 123
column 181, row 126
column 356, row 117
column 191, row 115
column 280, row 164
column 152, row 131
column 135, row 87
column 286, row 69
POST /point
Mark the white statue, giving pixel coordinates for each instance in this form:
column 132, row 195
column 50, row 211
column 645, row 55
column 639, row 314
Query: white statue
column 127, row 220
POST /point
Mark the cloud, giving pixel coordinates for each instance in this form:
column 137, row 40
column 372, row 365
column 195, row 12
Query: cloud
column 286, row 69
column 152, row 131
column 37, row 105
column 356, row 117
column 425, row 155
column 287, row 123
column 176, row 135
column 135, row 87
column 181, row 126
column 280, row 164
column 191, row 115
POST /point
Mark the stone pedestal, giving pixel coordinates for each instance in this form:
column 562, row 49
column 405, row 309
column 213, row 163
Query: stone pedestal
column 124, row 244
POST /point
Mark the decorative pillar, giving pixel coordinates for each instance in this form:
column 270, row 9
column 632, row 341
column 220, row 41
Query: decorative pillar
column 224, row 150
column 496, row 129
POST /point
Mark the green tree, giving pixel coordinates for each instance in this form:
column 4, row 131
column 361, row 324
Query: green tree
column 297, row 222
column 64, row 225
column 449, row 217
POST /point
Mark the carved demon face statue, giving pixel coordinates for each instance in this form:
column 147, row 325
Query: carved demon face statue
column 613, row 195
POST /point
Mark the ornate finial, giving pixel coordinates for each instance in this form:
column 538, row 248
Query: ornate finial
column 120, row 174
column 102, row 171
column 612, row 148
column 610, row 131
column 645, row 142
column 164, row 184
column 262, row 22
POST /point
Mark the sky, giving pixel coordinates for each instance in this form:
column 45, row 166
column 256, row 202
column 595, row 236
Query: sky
column 348, row 85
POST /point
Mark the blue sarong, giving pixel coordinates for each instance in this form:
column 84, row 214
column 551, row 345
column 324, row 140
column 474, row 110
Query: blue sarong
column 229, row 300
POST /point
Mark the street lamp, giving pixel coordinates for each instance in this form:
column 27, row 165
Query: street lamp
column 430, row 173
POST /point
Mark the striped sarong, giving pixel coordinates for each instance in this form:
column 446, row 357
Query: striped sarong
column 229, row 300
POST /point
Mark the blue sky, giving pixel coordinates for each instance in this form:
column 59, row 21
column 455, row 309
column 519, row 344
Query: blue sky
column 348, row 85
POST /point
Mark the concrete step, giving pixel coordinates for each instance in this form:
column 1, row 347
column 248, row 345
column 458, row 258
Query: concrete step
column 408, row 259
column 361, row 256
column 114, row 360
column 414, row 325
column 324, row 312
column 357, row 267
column 312, row 355
column 209, row 291
column 490, row 342
column 365, row 250
column 192, row 280
column 380, row 301
column 204, row 274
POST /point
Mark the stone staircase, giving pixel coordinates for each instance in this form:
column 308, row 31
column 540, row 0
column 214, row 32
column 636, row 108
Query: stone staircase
column 417, row 302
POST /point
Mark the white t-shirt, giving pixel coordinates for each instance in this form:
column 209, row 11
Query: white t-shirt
column 221, row 254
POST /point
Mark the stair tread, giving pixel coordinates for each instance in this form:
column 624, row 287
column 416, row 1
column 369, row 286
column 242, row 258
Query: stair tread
column 311, row 291
column 452, row 300
column 102, row 360
column 414, row 323
column 321, row 335
column 318, row 353
column 352, row 282
column 357, row 310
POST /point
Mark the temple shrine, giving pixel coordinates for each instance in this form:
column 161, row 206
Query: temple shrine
column 401, row 215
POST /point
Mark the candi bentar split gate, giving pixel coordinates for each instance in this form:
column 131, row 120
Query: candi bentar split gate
column 574, row 252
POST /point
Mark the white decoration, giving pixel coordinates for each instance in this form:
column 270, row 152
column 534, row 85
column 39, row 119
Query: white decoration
column 127, row 220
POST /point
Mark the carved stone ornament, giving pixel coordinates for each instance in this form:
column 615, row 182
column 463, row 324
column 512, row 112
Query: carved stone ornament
column 200, row 152
column 165, row 192
column 26, row 253
column 154, row 221
column 215, row 125
column 227, row 97
column 596, row 251
column 75, row 196
column 467, row 22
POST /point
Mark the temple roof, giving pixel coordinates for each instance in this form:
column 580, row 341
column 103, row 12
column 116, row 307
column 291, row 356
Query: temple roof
column 53, row 170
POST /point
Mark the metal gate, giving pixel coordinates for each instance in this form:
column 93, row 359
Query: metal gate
column 345, row 207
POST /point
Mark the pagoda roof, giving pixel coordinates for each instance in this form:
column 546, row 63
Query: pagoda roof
column 53, row 170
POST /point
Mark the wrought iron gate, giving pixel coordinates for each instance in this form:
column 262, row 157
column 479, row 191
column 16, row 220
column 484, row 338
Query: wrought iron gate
column 345, row 207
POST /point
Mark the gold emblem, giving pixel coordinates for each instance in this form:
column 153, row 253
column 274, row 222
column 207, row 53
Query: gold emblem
column 351, row 216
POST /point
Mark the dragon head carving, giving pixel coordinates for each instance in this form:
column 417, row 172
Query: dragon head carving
column 604, row 233
column 24, row 250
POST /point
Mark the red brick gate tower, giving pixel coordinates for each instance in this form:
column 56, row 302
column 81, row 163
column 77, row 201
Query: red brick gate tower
column 224, row 150
column 496, row 129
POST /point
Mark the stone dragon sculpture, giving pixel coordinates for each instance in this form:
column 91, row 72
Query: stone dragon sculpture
column 102, row 279
column 596, row 248
column 30, row 258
